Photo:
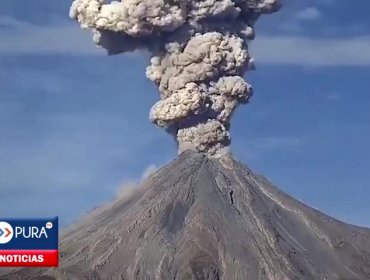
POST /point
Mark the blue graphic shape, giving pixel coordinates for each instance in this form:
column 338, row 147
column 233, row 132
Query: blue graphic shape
column 1, row 232
column 25, row 242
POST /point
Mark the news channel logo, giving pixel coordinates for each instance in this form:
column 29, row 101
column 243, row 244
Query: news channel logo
column 6, row 232
column 29, row 242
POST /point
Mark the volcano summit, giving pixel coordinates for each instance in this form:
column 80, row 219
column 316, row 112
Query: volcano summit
column 207, row 218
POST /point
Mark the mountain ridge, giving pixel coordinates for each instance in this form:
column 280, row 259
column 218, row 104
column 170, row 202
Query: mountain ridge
column 207, row 218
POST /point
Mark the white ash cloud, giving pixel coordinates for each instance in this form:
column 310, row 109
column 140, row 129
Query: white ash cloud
column 200, row 55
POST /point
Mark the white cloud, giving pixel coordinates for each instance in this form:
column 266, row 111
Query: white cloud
column 297, row 50
column 130, row 186
column 305, row 51
column 149, row 171
column 25, row 38
column 278, row 142
column 328, row 2
column 309, row 14
column 60, row 159
column 334, row 96
column 261, row 146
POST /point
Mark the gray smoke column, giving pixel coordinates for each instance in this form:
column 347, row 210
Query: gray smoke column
column 200, row 55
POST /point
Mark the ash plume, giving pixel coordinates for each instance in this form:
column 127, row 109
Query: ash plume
column 200, row 55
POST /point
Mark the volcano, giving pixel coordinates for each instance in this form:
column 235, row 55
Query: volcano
column 207, row 218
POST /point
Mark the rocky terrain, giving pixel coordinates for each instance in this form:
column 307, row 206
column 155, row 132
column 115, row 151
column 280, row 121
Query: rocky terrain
column 205, row 218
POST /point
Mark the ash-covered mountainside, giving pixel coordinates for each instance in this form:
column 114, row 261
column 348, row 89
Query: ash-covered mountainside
column 202, row 218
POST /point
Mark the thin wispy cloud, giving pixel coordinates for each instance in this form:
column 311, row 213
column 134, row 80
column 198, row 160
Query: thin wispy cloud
column 309, row 14
column 318, row 52
column 334, row 96
column 64, row 130
column 64, row 138
column 259, row 147
column 26, row 38
column 292, row 50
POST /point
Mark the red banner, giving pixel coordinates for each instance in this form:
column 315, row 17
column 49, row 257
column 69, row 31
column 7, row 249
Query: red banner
column 29, row 258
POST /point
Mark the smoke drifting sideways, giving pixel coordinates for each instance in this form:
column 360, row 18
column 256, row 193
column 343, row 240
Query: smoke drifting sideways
column 200, row 55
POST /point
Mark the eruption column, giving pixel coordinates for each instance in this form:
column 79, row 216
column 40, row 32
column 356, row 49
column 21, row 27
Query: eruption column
column 200, row 56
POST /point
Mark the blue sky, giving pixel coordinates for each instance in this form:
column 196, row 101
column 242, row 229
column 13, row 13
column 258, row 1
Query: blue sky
column 74, row 123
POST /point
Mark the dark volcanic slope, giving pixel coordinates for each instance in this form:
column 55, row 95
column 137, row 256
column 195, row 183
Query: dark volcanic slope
column 201, row 218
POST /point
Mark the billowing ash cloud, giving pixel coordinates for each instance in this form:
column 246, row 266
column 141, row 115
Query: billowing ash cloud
column 200, row 55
